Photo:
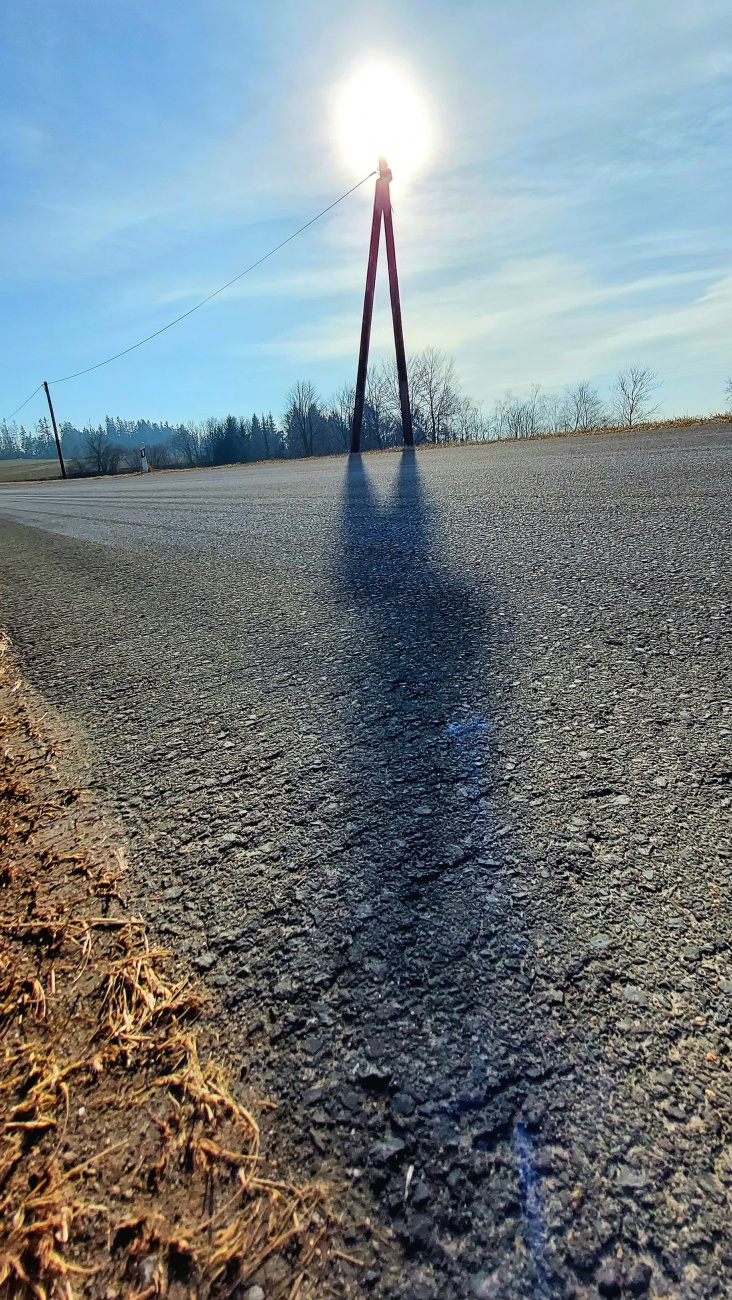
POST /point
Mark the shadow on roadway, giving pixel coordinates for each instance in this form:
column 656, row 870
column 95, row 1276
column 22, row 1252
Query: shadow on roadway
column 435, row 982
column 419, row 749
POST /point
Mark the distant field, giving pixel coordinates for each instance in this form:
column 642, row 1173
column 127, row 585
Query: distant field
column 18, row 471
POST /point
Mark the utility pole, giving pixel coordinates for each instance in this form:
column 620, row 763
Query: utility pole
column 382, row 210
column 55, row 431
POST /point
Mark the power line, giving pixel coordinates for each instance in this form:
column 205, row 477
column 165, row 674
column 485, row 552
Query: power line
column 22, row 404
column 216, row 292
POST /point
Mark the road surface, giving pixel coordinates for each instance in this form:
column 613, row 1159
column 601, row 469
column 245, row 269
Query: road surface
column 425, row 763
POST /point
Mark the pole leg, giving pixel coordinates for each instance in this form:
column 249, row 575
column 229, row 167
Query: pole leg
column 368, row 311
column 396, row 315
column 55, row 430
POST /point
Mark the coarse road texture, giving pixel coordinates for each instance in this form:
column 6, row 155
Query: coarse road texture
column 425, row 761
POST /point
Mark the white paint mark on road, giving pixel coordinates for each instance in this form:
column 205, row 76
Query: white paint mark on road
column 533, row 1217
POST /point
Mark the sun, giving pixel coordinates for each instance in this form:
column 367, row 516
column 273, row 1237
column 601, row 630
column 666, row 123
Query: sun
column 379, row 111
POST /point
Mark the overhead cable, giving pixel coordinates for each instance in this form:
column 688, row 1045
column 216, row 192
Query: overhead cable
column 22, row 404
column 77, row 373
column 216, row 292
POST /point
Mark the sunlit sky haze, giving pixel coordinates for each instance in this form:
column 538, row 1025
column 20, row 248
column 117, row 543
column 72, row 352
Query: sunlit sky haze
column 562, row 180
column 380, row 110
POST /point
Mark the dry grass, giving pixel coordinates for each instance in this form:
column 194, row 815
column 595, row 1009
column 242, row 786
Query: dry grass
column 26, row 471
column 128, row 1167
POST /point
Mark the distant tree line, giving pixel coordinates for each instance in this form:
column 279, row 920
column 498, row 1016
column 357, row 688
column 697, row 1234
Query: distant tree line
column 114, row 446
column 314, row 426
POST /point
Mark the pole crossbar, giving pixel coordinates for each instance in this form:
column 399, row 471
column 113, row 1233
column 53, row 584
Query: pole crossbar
column 382, row 212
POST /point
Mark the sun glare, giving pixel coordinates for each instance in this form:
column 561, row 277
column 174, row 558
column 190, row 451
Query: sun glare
column 379, row 111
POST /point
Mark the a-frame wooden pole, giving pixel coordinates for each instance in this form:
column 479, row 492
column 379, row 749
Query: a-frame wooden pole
column 396, row 315
column 368, row 311
column 382, row 208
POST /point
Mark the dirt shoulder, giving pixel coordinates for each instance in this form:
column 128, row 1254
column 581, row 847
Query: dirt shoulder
column 130, row 1165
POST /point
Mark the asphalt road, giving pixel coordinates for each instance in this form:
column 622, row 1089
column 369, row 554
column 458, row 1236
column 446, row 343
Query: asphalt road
column 425, row 762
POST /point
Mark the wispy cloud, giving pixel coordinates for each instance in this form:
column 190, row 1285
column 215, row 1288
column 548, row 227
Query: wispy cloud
column 544, row 322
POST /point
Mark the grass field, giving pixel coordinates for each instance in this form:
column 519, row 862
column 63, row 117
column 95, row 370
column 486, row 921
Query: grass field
column 19, row 471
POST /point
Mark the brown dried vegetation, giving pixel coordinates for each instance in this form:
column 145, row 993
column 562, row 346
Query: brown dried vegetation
column 127, row 1166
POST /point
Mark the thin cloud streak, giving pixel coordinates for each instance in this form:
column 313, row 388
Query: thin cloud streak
column 569, row 326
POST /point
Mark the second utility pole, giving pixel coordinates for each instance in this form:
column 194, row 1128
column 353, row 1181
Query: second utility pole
column 55, row 431
column 382, row 208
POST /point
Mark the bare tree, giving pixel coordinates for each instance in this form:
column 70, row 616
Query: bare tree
column 728, row 395
column 160, row 455
column 103, row 456
column 521, row 417
column 209, row 433
column 556, row 414
column 302, row 418
column 535, row 412
column 470, row 424
column 340, row 413
column 187, row 441
column 507, row 419
column 434, row 393
column 379, row 408
column 633, row 392
column 584, row 407
column 391, row 382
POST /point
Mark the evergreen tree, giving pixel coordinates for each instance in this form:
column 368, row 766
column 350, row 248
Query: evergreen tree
column 256, row 439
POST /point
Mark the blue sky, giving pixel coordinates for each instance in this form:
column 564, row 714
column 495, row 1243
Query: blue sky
column 574, row 216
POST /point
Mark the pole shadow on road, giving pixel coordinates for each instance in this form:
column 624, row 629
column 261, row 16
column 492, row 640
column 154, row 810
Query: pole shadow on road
column 437, row 982
column 436, row 967
column 420, row 742
column 418, row 633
